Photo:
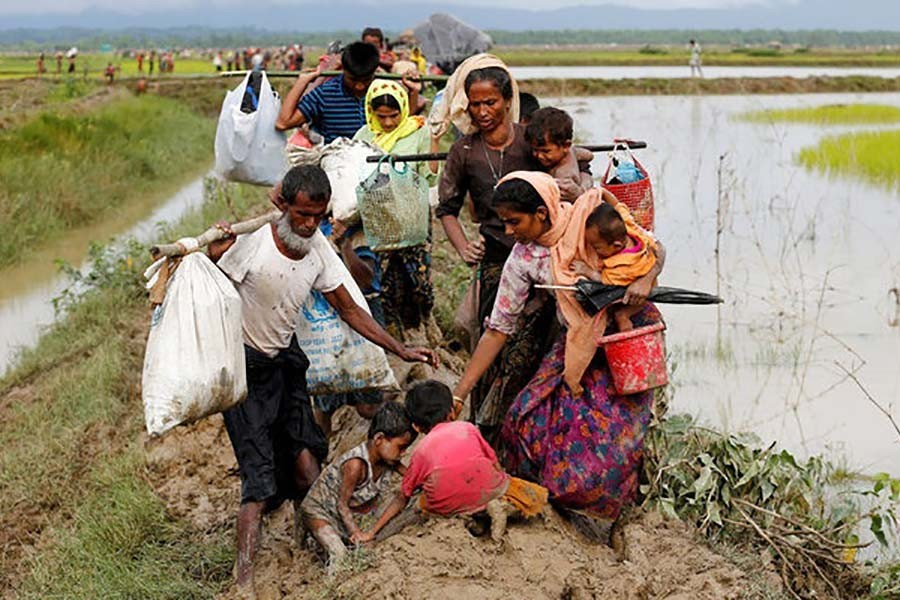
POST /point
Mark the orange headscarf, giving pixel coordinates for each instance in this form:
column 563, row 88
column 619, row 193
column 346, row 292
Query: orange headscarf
column 580, row 345
column 566, row 242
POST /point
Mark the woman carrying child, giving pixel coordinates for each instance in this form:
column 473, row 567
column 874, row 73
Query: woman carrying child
column 567, row 430
column 407, row 294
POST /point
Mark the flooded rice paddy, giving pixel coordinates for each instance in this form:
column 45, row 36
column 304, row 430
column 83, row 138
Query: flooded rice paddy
column 809, row 266
column 26, row 299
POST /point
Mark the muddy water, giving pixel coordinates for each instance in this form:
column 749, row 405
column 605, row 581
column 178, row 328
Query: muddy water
column 26, row 298
column 682, row 72
column 806, row 265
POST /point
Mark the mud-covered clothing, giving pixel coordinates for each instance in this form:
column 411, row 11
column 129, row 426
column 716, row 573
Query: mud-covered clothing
column 273, row 287
column 322, row 500
column 456, row 469
column 273, row 425
column 474, row 168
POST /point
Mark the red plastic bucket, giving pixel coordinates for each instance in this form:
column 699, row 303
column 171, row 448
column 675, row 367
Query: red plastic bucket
column 637, row 359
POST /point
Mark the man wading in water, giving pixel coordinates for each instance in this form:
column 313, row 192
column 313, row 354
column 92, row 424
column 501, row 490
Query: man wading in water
column 277, row 443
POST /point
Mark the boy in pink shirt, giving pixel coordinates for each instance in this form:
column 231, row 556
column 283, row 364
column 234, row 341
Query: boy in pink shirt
column 455, row 468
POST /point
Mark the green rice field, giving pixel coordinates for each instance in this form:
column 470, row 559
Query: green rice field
column 870, row 155
column 834, row 114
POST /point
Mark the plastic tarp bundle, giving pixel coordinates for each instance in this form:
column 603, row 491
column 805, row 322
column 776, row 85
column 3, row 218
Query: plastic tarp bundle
column 447, row 41
column 194, row 365
column 340, row 360
column 248, row 148
column 344, row 161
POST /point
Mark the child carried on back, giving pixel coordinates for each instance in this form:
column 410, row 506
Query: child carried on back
column 456, row 470
column 354, row 483
column 627, row 252
column 550, row 134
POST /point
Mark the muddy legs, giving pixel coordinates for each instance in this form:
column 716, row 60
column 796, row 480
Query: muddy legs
column 248, row 525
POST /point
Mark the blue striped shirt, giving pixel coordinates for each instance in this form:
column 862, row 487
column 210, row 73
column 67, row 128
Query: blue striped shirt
column 332, row 111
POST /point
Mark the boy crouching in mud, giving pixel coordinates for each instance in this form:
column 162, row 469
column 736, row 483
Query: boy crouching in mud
column 353, row 484
column 456, row 469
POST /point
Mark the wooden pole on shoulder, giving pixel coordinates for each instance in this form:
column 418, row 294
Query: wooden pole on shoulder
column 213, row 234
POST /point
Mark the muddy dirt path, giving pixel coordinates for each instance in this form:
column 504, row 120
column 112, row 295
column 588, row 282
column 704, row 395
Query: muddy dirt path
column 194, row 471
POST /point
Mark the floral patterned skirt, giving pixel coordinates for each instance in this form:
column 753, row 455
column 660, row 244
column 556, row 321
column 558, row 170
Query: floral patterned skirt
column 586, row 451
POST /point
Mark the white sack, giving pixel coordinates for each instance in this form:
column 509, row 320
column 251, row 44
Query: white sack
column 340, row 360
column 194, row 364
column 344, row 161
column 248, row 148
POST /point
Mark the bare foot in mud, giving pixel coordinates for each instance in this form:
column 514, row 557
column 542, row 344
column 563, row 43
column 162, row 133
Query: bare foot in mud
column 245, row 590
column 617, row 539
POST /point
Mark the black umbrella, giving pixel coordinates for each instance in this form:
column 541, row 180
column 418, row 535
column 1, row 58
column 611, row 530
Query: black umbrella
column 595, row 296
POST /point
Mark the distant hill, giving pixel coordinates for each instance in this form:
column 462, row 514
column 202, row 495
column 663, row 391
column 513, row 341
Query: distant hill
column 859, row 15
column 205, row 37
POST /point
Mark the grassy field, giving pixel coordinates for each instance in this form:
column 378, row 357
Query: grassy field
column 59, row 170
column 79, row 517
column 526, row 56
column 19, row 66
column 835, row 114
column 869, row 155
column 16, row 65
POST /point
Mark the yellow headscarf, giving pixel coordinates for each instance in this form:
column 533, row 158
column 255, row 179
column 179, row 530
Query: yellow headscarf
column 408, row 124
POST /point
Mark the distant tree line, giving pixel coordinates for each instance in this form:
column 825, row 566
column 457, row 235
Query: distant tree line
column 200, row 37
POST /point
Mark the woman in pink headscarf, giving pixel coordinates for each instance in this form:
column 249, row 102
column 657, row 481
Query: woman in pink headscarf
column 567, row 430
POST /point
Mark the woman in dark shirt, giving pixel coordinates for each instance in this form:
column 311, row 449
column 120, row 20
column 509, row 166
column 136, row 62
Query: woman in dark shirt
column 474, row 166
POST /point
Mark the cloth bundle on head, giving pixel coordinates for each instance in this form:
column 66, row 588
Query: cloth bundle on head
column 454, row 108
column 408, row 125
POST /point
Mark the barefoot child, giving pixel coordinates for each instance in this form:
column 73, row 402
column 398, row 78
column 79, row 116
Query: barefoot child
column 627, row 251
column 550, row 134
column 456, row 469
column 353, row 483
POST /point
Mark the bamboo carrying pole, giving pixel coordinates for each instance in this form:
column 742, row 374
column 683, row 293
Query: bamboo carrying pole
column 631, row 145
column 213, row 234
column 288, row 74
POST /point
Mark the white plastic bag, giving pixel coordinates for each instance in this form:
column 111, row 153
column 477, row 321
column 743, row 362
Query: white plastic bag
column 340, row 360
column 194, row 364
column 344, row 161
column 248, row 148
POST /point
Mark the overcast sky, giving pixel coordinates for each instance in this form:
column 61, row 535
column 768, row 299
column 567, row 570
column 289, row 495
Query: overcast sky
column 36, row 7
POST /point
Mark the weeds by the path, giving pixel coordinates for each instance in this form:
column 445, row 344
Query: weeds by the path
column 61, row 171
column 77, row 517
